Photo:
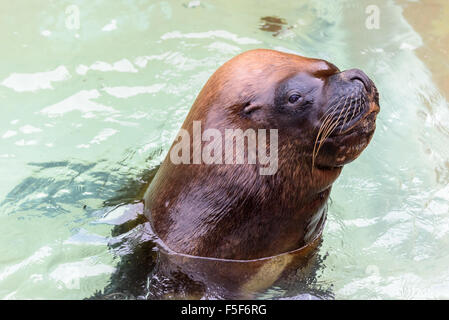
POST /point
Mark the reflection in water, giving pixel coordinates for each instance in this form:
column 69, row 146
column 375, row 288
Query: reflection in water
column 49, row 193
column 272, row 24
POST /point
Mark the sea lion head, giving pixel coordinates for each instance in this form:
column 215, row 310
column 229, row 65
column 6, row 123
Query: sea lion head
column 325, row 117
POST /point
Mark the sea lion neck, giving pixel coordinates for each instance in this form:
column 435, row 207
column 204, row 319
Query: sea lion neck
column 273, row 212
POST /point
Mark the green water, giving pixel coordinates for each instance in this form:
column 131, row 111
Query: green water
column 86, row 112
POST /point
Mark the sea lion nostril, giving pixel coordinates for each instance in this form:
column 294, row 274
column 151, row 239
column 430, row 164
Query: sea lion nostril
column 355, row 78
column 358, row 75
column 365, row 82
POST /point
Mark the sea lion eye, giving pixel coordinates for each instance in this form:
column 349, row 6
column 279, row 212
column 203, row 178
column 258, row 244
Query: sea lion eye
column 294, row 98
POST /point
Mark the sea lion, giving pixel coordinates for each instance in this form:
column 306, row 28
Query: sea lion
column 324, row 119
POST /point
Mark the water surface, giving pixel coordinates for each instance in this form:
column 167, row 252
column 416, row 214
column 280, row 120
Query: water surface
column 88, row 113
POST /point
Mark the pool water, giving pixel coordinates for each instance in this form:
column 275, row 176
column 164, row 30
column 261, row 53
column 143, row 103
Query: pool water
column 92, row 94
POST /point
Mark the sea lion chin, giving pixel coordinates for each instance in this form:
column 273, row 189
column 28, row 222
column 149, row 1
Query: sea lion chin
column 324, row 119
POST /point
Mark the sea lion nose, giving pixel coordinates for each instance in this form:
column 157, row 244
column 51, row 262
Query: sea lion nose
column 358, row 75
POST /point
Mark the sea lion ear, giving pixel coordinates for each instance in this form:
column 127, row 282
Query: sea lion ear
column 250, row 107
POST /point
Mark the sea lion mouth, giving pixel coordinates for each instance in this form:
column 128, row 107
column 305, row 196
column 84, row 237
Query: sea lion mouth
column 346, row 117
column 347, row 138
column 341, row 116
column 344, row 147
column 356, row 125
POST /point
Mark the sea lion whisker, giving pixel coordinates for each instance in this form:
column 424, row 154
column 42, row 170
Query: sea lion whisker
column 332, row 108
column 363, row 103
column 335, row 100
column 324, row 124
column 326, row 135
column 354, row 111
column 336, row 121
column 331, row 127
column 348, row 109
column 343, row 108
column 324, row 128
column 358, row 107
column 325, row 121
